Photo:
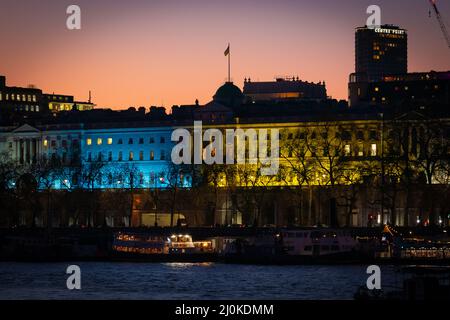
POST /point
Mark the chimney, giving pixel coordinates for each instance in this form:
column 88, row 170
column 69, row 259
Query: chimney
column 2, row 81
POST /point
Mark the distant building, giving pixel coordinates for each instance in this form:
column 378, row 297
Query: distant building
column 31, row 100
column 409, row 89
column 283, row 89
column 380, row 52
column 18, row 99
column 58, row 102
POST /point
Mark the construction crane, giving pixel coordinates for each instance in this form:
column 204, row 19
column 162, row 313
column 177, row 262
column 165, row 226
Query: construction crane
column 440, row 20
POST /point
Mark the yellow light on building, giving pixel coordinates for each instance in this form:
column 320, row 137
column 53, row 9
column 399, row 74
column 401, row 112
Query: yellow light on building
column 89, row 141
column 99, row 141
column 110, row 140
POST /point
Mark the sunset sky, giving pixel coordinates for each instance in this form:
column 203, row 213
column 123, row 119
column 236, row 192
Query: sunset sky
column 166, row 52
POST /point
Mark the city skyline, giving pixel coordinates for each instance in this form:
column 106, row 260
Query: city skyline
column 168, row 53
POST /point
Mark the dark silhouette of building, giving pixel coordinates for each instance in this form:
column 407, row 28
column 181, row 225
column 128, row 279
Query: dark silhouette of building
column 403, row 91
column 283, row 89
column 380, row 52
column 19, row 99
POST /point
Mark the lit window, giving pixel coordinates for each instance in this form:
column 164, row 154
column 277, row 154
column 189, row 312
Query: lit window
column 347, row 150
column 141, row 155
column 152, row 155
column 360, row 150
column 34, row 98
column 46, row 143
column 377, row 89
column 89, row 141
column 110, row 141
column 99, row 141
column 373, row 149
column 131, row 156
column 1, row 97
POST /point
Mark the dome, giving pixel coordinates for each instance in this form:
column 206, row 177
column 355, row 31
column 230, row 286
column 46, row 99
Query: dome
column 229, row 95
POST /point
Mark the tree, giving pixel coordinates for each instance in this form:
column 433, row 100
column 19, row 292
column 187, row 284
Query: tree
column 9, row 173
column 298, row 169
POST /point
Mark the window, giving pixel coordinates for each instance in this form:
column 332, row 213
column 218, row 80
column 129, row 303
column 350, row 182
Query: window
column 373, row 149
column 45, row 143
column 131, row 156
column 89, row 157
column 141, row 140
column 152, row 140
column 360, row 135
column 152, row 155
column 64, row 143
column 360, row 150
column 130, row 141
column 119, row 157
column 100, row 157
column 163, row 155
column 110, row 140
column 377, row 89
column 141, row 155
column 120, row 141
column 99, row 141
column 162, row 140
column 347, row 150
column 89, row 141
column 109, row 156
column 373, row 135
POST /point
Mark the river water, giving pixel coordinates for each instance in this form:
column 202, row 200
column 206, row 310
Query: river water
column 192, row 281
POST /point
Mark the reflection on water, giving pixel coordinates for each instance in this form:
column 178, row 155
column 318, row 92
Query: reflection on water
column 184, row 281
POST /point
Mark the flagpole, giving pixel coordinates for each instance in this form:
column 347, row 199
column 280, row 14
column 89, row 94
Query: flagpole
column 229, row 63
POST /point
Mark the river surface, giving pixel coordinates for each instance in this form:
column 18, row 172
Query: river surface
column 192, row 281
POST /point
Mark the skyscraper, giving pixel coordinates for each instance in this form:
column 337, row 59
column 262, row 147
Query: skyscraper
column 380, row 52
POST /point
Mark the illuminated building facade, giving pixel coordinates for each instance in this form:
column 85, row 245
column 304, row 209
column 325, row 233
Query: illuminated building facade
column 117, row 153
column 58, row 102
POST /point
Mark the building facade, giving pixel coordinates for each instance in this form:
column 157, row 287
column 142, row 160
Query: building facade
column 379, row 52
